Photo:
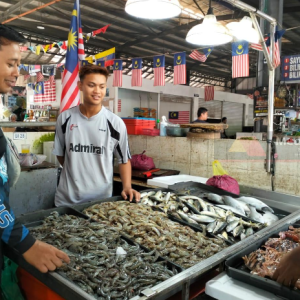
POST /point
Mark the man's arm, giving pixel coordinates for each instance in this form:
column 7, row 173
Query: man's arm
column 61, row 160
column 125, row 174
column 288, row 270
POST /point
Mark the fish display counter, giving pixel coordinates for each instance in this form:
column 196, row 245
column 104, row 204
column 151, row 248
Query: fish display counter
column 174, row 235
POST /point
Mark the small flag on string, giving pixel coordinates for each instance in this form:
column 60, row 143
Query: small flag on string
column 159, row 70
column 117, row 73
column 108, row 56
column 240, row 59
column 33, row 69
column 136, row 77
column 209, row 93
column 201, row 57
column 84, row 63
column 180, row 68
column 276, row 58
column 100, row 63
column 39, row 76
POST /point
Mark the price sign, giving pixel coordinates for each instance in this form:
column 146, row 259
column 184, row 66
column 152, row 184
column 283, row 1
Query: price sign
column 20, row 135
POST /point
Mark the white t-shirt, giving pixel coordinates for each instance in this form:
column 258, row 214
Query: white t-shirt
column 88, row 146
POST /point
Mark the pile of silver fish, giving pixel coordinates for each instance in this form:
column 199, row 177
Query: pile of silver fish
column 154, row 230
column 103, row 264
column 216, row 219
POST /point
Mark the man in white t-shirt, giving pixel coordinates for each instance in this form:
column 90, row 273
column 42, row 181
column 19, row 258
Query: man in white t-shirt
column 87, row 138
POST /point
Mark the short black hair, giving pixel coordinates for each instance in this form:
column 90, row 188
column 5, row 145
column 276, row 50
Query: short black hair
column 9, row 35
column 201, row 110
column 92, row 69
column 224, row 118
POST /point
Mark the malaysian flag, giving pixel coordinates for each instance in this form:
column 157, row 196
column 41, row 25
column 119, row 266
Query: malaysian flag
column 276, row 56
column 209, row 93
column 39, row 76
column 85, row 62
column 159, row 70
column 117, row 73
column 33, row 69
column 52, row 81
column 107, row 56
column 136, row 77
column 179, row 68
column 179, row 117
column 75, row 52
column 201, row 57
column 100, row 63
column 240, row 59
column 119, row 105
column 44, row 93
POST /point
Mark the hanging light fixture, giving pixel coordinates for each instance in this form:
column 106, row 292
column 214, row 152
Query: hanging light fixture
column 243, row 30
column 153, row 9
column 210, row 32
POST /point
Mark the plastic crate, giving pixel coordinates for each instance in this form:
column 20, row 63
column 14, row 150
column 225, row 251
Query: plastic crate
column 152, row 132
column 33, row 288
column 136, row 125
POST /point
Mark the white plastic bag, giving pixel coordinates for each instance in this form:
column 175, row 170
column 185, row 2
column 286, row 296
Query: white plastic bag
column 30, row 159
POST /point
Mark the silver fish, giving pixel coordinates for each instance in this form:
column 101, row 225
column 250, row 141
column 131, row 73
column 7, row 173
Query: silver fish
column 254, row 215
column 214, row 198
column 243, row 236
column 256, row 203
column 203, row 204
column 229, row 208
column 168, row 196
column 231, row 218
column 144, row 195
column 249, row 231
column 185, row 209
column 220, row 227
column 269, row 218
column 237, row 230
column 211, row 226
column 232, row 225
column 234, row 203
column 245, row 207
column 158, row 194
column 186, row 218
column 220, row 212
column 210, row 214
column 202, row 218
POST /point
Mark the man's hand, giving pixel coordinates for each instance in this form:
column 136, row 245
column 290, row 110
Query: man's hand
column 45, row 257
column 131, row 193
column 288, row 270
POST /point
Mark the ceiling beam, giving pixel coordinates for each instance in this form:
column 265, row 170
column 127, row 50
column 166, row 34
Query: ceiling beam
column 174, row 30
column 13, row 8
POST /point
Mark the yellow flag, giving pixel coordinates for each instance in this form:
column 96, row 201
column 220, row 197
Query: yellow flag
column 46, row 48
column 90, row 59
column 37, row 50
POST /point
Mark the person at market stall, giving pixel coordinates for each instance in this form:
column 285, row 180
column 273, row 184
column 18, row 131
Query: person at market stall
column 202, row 115
column 88, row 136
column 288, row 270
column 41, row 255
column 223, row 133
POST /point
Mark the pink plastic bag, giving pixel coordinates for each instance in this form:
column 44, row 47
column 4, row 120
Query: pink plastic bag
column 142, row 162
column 224, row 182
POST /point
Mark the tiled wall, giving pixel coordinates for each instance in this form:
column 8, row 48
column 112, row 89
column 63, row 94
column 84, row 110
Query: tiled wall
column 243, row 160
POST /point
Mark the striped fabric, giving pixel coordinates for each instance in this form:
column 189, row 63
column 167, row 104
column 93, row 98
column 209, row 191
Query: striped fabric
column 75, row 51
column 209, row 93
column 198, row 56
column 240, row 66
column 49, row 94
column 183, row 117
column 39, row 77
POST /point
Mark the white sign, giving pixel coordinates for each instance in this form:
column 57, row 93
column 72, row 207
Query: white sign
column 20, row 135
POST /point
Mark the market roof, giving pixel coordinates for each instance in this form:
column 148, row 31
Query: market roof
column 135, row 37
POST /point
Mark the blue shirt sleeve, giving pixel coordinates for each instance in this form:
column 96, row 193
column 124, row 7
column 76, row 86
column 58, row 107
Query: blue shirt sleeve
column 12, row 232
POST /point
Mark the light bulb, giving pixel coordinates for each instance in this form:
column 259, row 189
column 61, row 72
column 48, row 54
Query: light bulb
column 153, row 9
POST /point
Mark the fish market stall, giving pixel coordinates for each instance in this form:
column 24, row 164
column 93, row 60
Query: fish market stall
column 172, row 231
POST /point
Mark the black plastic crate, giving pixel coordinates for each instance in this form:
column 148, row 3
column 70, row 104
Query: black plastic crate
column 236, row 269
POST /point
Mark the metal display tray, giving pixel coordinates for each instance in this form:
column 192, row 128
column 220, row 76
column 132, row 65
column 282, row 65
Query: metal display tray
column 236, row 269
column 203, row 188
column 63, row 286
